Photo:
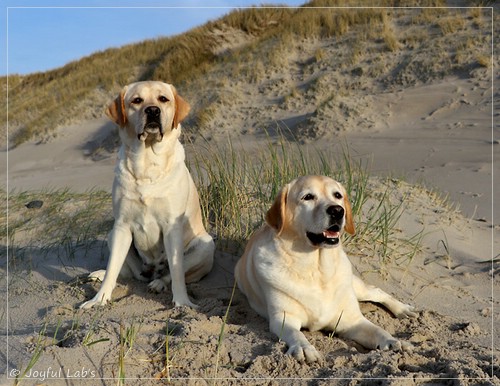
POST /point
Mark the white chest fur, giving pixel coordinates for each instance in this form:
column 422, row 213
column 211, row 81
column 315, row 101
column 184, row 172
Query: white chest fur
column 317, row 286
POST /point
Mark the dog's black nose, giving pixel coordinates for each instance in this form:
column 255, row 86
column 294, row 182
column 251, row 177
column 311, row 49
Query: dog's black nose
column 152, row 111
column 336, row 211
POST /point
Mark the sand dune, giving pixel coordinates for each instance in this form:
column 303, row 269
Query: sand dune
column 434, row 136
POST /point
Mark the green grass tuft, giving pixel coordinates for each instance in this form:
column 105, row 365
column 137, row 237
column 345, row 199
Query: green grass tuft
column 238, row 187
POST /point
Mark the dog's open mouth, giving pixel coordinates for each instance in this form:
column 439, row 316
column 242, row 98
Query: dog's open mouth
column 331, row 236
column 152, row 129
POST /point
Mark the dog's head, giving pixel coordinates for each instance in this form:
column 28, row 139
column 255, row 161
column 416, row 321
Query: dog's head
column 148, row 110
column 312, row 208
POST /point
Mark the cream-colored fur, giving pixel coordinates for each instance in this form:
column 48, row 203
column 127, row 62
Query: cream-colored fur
column 155, row 202
column 296, row 274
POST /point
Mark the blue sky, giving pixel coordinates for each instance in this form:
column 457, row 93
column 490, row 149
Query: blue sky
column 39, row 35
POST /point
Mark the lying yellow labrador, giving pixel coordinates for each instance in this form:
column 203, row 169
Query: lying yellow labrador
column 296, row 274
column 158, row 234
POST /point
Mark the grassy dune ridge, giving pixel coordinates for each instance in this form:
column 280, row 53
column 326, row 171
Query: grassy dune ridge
column 250, row 45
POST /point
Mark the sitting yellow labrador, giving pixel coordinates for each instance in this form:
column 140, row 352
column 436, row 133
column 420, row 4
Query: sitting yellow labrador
column 296, row 274
column 158, row 234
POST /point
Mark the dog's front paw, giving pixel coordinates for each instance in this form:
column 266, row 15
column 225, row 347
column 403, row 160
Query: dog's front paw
column 389, row 344
column 97, row 275
column 98, row 300
column 304, row 352
column 405, row 311
column 184, row 301
column 157, row 285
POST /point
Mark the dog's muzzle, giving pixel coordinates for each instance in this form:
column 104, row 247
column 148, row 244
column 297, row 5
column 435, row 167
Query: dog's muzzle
column 331, row 235
column 153, row 125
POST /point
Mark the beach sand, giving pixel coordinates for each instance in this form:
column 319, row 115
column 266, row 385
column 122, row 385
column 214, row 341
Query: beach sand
column 442, row 145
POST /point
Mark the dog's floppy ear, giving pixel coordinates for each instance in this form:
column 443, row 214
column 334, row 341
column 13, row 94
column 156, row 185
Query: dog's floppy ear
column 116, row 110
column 181, row 109
column 349, row 221
column 275, row 216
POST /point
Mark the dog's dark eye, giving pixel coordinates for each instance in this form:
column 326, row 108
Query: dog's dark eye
column 337, row 195
column 163, row 99
column 137, row 101
column 308, row 197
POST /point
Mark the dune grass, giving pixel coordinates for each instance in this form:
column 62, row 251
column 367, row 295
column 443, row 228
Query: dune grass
column 66, row 222
column 37, row 352
column 237, row 187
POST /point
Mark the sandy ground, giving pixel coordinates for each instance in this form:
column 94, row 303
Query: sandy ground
column 454, row 338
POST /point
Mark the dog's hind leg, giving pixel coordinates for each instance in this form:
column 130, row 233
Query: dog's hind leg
column 199, row 258
column 198, row 261
column 133, row 266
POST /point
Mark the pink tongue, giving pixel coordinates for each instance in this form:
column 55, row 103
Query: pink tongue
column 330, row 234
